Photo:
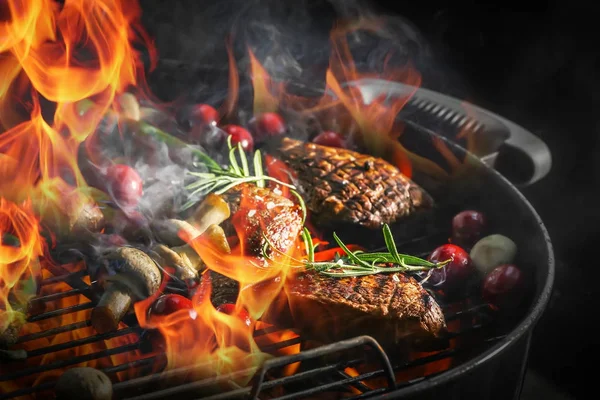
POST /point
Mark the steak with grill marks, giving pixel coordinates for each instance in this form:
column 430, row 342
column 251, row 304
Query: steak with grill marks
column 393, row 308
column 261, row 214
column 340, row 185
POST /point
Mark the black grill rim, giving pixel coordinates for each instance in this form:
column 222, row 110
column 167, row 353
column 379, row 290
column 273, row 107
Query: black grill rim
column 524, row 327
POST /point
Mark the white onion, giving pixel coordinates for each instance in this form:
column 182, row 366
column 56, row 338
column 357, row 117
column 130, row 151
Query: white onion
column 492, row 251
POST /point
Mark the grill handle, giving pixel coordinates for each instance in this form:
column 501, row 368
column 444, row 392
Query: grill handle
column 522, row 157
column 322, row 351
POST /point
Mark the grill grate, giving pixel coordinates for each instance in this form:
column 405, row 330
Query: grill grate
column 323, row 369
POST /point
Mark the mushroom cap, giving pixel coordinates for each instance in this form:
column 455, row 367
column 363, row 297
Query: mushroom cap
column 84, row 383
column 135, row 269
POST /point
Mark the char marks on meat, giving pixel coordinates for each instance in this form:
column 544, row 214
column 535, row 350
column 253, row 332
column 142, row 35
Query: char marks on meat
column 261, row 214
column 393, row 308
column 340, row 185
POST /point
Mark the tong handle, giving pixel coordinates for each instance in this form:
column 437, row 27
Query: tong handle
column 515, row 152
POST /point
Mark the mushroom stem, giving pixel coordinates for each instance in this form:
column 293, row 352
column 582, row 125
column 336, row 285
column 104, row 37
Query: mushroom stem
column 182, row 264
column 168, row 231
column 137, row 277
column 212, row 211
column 111, row 308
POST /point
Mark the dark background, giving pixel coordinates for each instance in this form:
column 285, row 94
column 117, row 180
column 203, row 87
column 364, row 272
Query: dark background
column 540, row 69
column 536, row 65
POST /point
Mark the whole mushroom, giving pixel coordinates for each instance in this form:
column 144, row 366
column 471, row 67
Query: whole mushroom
column 83, row 383
column 137, row 277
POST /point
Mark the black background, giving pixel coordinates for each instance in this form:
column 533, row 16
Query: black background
column 537, row 65
column 541, row 69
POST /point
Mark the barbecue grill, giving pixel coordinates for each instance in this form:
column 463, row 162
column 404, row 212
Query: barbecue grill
column 487, row 354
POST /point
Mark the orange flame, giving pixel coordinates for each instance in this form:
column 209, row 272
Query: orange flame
column 62, row 54
column 53, row 55
column 19, row 265
column 374, row 122
column 216, row 342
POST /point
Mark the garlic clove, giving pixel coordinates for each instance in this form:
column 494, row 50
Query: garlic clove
column 491, row 251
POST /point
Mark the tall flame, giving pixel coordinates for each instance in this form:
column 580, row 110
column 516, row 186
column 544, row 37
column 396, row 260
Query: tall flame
column 62, row 54
column 20, row 247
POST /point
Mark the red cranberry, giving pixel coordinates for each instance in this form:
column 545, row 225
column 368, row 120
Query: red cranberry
column 229, row 309
column 266, row 125
column 240, row 135
column 503, row 286
column 468, row 227
column 170, row 303
column 329, row 138
column 199, row 116
column 124, row 185
column 456, row 272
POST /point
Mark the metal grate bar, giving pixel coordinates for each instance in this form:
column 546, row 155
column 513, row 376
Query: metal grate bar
column 55, row 331
column 73, row 279
column 80, row 342
column 59, row 295
column 332, row 385
column 27, row 390
column 142, row 362
column 204, row 383
column 272, row 329
column 63, row 277
column 372, row 392
column 61, row 311
column 321, row 351
column 280, row 345
column 66, row 363
column 358, row 385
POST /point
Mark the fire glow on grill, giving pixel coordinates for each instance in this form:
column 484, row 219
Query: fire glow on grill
column 63, row 54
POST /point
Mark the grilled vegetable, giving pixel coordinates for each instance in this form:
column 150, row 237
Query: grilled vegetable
column 83, row 383
column 329, row 138
column 166, row 257
column 340, row 185
column 137, row 277
column 198, row 117
column 129, row 106
column 212, row 211
column 492, row 251
column 170, row 303
column 10, row 335
column 266, row 125
column 454, row 274
column 124, row 185
column 241, row 136
column 75, row 217
column 467, row 228
column 168, row 231
column 503, row 286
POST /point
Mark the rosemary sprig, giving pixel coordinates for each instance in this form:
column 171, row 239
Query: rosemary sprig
column 220, row 180
column 359, row 263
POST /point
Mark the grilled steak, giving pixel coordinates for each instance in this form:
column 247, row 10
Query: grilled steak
column 340, row 185
column 393, row 308
column 258, row 214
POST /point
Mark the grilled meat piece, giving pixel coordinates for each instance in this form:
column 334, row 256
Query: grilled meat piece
column 340, row 185
column 393, row 308
column 258, row 214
